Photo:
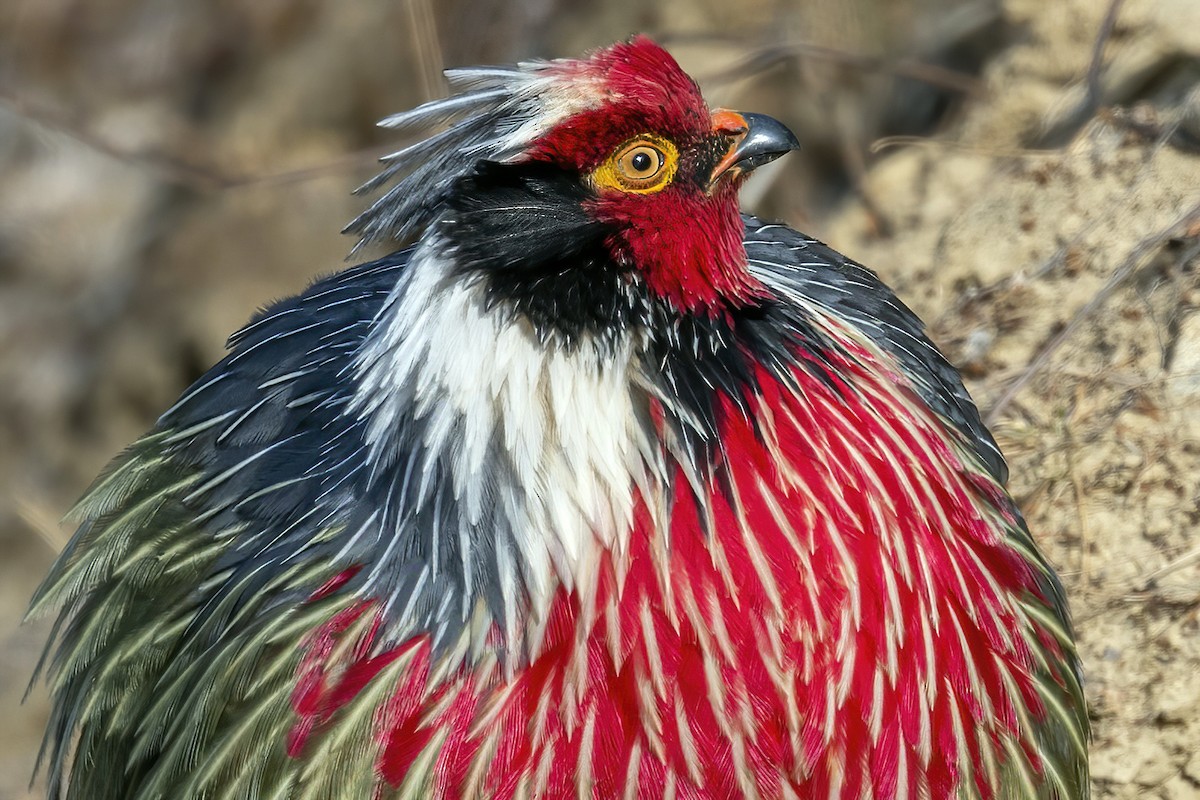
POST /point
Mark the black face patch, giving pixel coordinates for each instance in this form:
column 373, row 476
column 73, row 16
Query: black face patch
column 523, row 230
column 699, row 160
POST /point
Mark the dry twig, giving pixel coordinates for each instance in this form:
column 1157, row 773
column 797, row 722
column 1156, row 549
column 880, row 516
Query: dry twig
column 172, row 168
column 1092, row 99
column 1139, row 255
column 770, row 56
column 41, row 520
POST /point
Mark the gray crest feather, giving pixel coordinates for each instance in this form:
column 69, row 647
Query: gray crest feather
column 494, row 116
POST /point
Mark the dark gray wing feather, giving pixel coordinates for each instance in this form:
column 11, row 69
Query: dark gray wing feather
column 856, row 294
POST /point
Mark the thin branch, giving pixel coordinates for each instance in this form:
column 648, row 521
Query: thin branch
column 908, row 140
column 1141, row 253
column 40, row 519
column 1187, row 559
column 175, row 169
column 428, row 48
column 1092, row 99
column 770, row 56
column 1056, row 258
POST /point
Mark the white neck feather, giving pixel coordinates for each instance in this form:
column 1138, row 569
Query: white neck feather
column 548, row 431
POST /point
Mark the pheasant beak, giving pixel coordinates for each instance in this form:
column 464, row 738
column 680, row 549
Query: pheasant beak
column 756, row 139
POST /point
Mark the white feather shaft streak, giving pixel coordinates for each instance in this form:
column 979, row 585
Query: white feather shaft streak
column 440, row 110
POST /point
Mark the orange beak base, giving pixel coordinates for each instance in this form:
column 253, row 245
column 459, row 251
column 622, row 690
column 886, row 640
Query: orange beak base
column 757, row 140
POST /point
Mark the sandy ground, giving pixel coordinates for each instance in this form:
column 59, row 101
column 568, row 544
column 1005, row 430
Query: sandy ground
column 157, row 183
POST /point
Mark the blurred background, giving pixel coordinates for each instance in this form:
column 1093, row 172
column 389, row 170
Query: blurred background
column 1025, row 173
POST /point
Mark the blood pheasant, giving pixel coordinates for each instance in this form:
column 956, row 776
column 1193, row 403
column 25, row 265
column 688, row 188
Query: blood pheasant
column 598, row 488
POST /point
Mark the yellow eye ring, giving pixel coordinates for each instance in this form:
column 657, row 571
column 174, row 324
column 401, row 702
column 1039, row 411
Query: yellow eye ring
column 642, row 165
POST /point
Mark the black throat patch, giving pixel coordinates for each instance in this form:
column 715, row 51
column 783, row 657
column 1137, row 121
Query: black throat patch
column 523, row 231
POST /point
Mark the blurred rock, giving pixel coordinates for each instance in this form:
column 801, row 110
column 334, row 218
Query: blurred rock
column 1180, row 788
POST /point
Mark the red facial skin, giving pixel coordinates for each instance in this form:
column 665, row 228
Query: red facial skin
column 685, row 240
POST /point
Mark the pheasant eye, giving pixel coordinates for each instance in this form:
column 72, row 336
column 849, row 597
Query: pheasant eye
column 642, row 165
